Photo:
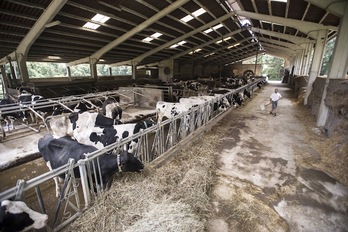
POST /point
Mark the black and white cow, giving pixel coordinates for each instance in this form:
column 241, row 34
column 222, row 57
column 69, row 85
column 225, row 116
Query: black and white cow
column 57, row 152
column 8, row 118
column 170, row 109
column 64, row 124
column 101, row 136
column 36, row 102
column 17, row 216
column 192, row 85
column 247, row 93
column 238, row 98
column 80, row 107
column 111, row 109
column 95, row 129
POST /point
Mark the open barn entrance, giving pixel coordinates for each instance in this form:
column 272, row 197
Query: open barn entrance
column 271, row 66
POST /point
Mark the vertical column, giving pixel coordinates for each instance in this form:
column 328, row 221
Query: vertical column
column 134, row 69
column 93, row 67
column 69, row 72
column 309, row 49
column 338, row 64
column 22, row 65
column 316, row 62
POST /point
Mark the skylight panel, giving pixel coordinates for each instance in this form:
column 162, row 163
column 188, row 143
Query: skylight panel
column 279, row 0
column 156, row 35
column 174, row 46
column 217, row 26
column 234, row 45
column 178, row 44
column 100, row 18
column 147, row 39
column 224, row 39
column 198, row 12
column 208, row 31
column 187, row 18
column 151, row 37
column 54, row 57
column 90, row 25
column 195, row 51
column 210, row 54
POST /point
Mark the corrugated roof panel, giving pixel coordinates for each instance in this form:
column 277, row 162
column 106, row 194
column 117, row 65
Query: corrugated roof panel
column 278, row 8
column 315, row 14
column 262, row 7
column 331, row 19
column 296, row 9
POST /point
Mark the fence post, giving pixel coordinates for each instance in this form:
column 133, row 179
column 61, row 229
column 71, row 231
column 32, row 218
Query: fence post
column 84, row 181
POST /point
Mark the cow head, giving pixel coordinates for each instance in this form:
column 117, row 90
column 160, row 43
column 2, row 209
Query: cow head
column 129, row 163
column 17, row 216
column 61, row 125
column 142, row 125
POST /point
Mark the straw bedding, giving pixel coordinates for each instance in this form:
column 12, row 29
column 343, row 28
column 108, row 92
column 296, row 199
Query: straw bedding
column 171, row 198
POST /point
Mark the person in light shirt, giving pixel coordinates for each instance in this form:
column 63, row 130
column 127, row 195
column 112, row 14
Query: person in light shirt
column 274, row 98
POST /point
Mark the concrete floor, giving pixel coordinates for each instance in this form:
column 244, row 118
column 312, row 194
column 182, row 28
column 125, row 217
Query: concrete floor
column 261, row 182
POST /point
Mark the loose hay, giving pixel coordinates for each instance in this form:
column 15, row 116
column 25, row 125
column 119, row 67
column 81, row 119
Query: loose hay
column 171, row 198
column 168, row 216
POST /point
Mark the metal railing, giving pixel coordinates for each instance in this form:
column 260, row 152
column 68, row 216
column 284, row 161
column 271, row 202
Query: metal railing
column 94, row 99
column 152, row 143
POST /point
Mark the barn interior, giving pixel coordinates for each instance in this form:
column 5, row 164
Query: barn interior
column 145, row 51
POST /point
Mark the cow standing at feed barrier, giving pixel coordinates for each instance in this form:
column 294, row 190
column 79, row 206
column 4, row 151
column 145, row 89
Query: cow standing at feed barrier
column 35, row 102
column 95, row 129
column 111, row 109
column 17, row 216
column 102, row 136
column 8, row 118
column 57, row 152
column 170, row 110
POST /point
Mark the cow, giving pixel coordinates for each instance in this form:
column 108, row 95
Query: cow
column 17, row 216
column 64, row 124
column 57, row 152
column 170, row 110
column 82, row 107
column 222, row 104
column 36, row 102
column 192, row 85
column 247, row 93
column 101, row 136
column 238, row 98
column 111, row 109
column 9, row 118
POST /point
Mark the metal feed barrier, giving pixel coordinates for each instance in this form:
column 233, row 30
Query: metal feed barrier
column 64, row 102
column 152, row 143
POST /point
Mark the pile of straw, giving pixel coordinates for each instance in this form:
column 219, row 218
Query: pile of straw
column 171, row 198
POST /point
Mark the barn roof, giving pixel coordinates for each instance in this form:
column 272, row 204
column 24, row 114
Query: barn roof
column 237, row 29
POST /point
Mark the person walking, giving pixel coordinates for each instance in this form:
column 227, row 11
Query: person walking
column 274, row 98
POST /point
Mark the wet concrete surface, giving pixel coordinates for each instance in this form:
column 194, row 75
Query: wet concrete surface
column 260, row 183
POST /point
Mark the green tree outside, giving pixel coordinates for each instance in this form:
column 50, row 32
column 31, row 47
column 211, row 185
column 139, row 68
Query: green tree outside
column 271, row 66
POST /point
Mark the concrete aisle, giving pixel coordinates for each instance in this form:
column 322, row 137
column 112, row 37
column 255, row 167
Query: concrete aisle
column 261, row 182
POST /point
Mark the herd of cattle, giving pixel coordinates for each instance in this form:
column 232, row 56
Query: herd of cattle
column 76, row 134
